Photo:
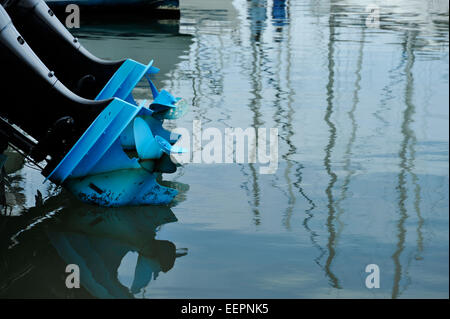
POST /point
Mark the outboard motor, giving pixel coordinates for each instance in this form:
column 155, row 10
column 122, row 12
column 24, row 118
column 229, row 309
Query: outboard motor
column 83, row 73
column 106, row 149
column 35, row 100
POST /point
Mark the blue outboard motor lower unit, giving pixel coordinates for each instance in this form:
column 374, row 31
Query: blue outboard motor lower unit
column 75, row 113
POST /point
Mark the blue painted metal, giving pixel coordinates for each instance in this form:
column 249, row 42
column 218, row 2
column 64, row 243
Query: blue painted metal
column 178, row 110
column 164, row 105
column 98, row 170
column 147, row 146
column 125, row 80
column 132, row 186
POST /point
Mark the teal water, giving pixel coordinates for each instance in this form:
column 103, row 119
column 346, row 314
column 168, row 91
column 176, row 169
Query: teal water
column 362, row 115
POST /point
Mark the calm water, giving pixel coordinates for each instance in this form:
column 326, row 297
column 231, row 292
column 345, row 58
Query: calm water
column 362, row 114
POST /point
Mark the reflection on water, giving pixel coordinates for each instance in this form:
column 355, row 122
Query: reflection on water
column 363, row 175
column 102, row 242
column 257, row 19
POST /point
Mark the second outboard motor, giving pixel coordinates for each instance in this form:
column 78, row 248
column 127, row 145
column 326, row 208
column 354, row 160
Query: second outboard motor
column 83, row 73
column 37, row 102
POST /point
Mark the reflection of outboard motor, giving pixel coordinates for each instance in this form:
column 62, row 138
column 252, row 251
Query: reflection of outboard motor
column 116, row 249
column 100, row 242
column 86, row 143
